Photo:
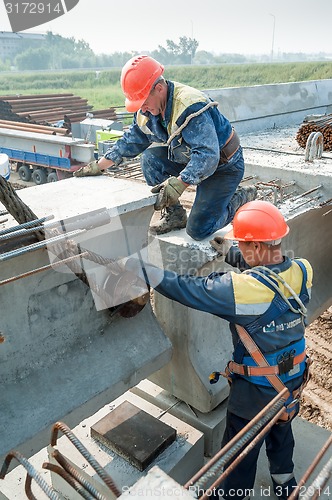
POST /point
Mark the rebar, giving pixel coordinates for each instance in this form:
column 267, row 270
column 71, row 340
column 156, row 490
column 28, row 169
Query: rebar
column 56, row 264
column 310, row 469
column 50, row 492
column 56, row 469
column 317, row 486
column 39, row 245
column 86, row 454
column 244, row 452
column 232, row 447
column 77, row 475
column 26, row 224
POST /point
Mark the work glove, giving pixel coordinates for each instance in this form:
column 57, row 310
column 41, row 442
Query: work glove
column 89, row 169
column 218, row 243
column 169, row 192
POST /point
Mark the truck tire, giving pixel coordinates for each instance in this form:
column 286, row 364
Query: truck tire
column 52, row 177
column 25, row 173
column 39, row 176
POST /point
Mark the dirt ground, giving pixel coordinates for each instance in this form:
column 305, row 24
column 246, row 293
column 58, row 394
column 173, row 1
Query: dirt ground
column 317, row 396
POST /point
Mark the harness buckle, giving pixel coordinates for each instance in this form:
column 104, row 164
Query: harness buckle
column 285, row 361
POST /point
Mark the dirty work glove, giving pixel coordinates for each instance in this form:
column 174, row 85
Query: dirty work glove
column 169, row 192
column 218, row 244
column 89, row 169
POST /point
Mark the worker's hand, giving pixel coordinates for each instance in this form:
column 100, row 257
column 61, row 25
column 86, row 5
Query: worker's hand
column 169, row 192
column 91, row 168
column 218, row 243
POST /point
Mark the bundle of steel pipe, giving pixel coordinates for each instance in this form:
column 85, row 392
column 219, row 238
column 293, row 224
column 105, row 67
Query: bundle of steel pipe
column 323, row 125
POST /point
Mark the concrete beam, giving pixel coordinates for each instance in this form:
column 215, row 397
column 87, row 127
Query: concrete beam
column 64, row 355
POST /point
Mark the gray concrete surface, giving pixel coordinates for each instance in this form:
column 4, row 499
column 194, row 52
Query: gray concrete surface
column 275, row 105
column 64, row 355
column 179, row 461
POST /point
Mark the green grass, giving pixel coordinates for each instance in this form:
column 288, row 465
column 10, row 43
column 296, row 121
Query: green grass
column 105, row 91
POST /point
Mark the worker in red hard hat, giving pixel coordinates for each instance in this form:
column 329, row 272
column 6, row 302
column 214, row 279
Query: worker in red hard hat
column 265, row 305
column 192, row 144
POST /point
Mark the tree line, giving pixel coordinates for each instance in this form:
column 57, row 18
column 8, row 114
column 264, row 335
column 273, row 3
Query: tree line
column 57, row 53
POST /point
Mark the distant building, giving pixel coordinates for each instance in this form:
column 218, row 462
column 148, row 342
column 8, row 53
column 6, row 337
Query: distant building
column 12, row 44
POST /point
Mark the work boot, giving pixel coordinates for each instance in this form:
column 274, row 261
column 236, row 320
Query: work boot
column 174, row 217
column 242, row 195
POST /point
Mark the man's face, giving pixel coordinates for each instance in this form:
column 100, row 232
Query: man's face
column 249, row 252
column 154, row 104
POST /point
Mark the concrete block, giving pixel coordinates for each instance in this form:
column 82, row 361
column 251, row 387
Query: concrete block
column 156, row 484
column 201, row 342
column 211, row 424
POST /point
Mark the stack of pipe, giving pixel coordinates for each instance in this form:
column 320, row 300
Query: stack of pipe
column 32, row 127
column 48, row 109
column 323, row 125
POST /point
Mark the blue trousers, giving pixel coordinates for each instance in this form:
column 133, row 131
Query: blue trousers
column 279, row 450
column 211, row 209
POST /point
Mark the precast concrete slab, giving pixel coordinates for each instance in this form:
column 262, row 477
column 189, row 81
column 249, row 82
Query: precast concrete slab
column 179, row 461
column 66, row 352
column 211, row 424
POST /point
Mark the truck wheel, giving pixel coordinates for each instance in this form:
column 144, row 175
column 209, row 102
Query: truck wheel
column 25, row 173
column 39, row 176
column 52, row 177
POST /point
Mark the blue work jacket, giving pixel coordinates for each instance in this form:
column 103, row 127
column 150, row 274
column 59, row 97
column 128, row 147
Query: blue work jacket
column 197, row 146
column 241, row 298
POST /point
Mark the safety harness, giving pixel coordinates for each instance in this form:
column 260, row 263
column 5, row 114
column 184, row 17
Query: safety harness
column 288, row 362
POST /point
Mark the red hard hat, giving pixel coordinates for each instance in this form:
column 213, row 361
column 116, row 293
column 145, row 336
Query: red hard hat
column 258, row 221
column 137, row 78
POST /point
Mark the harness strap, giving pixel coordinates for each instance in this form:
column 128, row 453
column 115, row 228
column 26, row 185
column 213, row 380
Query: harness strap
column 259, row 358
column 260, row 371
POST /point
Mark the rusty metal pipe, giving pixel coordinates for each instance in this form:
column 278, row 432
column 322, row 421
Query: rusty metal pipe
column 50, row 492
column 235, row 440
column 316, row 488
column 43, row 268
column 77, row 476
column 69, row 479
column 311, row 468
column 86, row 454
column 244, row 453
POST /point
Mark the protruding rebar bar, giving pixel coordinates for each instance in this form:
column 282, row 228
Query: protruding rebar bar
column 77, row 475
column 69, row 479
column 50, row 492
column 233, row 446
column 86, row 454
column 34, row 222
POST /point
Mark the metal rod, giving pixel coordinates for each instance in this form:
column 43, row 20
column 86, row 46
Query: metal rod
column 236, row 439
column 307, row 192
column 311, row 468
column 316, row 487
column 69, row 479
column 244, row 453
column 42, row 269
column 305, row 202
column 77, row 475
column 50, row 492
column 26, row 224
column 39, row 245
column 81, row 448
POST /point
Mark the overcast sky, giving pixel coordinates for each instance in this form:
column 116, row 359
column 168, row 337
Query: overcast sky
column 241, row 26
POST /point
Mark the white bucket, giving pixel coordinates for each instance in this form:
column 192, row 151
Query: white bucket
column 4, row 166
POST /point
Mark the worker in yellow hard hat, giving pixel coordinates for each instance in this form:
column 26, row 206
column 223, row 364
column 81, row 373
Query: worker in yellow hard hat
column 265, row 305
column 193, row 144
